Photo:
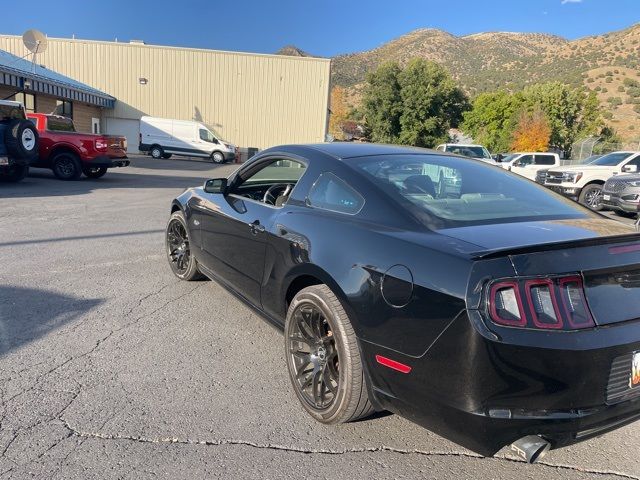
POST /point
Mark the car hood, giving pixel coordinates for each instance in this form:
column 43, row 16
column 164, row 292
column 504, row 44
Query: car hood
column 524, row 234
column 583, row 168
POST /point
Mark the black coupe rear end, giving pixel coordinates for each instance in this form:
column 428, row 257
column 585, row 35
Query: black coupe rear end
column 466, row 298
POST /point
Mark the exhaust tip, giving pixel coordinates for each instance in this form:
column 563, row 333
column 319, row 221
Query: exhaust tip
column 531, row 448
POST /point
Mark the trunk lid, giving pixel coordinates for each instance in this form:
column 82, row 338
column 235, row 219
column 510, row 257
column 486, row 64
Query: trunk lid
column 606, row 253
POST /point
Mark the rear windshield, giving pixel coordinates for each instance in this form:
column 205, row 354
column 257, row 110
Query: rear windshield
column 469, row 151
column 446, row 191
column 10, row 112
column 611, row 159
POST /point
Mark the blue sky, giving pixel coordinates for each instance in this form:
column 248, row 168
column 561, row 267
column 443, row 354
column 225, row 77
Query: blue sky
column 320, row 27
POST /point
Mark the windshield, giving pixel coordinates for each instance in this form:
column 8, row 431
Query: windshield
column 215, row 132
column 509, row 158
column 469, row 151
column 447, row 191
column 591, row 159
column 611, row 159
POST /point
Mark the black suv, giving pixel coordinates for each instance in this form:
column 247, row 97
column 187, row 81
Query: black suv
column 18, row 141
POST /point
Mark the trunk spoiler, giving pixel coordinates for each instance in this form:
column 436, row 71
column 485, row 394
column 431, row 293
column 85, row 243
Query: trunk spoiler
column 587, row 242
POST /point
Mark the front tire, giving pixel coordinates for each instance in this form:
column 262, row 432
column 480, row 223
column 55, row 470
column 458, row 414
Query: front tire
column 622, row 213
column 94, row 172
column 166, row 156
column 156, row 152
column 178, row 247
column 323, row 358
column 591, row 196
column 217, row 157
column 66, row 166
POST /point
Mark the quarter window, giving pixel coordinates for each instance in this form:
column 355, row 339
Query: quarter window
column 331, row 193
column 545, row 160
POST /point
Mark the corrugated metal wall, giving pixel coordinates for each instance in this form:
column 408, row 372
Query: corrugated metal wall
column 252, row 100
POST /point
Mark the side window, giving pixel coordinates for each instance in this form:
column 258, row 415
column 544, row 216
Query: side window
column 545, row 160
column 440, row 148
column 525, row 160
column 206, row 136
column 635, row 161
column 330, row 193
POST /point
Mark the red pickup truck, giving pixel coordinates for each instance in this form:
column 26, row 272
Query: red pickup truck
column 70, row 154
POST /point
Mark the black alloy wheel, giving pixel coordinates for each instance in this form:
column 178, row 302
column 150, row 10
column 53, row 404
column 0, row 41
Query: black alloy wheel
column 182, row 262
column 314, row 356
column 323, row 358
column 94, row 172
column 66, row 166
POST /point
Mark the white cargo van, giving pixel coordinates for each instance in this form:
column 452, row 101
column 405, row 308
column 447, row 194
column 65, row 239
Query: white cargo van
column 162, row 137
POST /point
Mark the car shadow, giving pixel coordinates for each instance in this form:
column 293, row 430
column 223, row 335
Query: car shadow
column 27, row 314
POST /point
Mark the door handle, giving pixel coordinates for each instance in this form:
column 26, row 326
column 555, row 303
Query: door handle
column 256, row 227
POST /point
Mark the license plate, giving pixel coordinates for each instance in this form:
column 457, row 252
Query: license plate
column 606, row 197
column 4, row 160
column 635, row 370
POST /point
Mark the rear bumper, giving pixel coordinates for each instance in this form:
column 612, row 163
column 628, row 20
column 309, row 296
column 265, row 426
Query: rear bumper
column 9, row 162
column 484, row 390
column 104, row 161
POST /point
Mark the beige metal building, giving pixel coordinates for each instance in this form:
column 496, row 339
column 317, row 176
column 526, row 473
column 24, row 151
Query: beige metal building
column 252, row 100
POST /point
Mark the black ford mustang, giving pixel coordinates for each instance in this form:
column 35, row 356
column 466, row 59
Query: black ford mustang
column 461, row 296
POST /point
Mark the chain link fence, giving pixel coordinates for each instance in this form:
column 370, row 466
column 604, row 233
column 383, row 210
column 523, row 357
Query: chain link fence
column 587, row 147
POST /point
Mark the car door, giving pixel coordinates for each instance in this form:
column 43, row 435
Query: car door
column 234, row 227
column 521, row 165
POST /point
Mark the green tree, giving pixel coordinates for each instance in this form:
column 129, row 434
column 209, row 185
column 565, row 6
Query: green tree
column 432, row 103
column 382, row 104
column 493, row 119
column 571, row 112
column 414, row 106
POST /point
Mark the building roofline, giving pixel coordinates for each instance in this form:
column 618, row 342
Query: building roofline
column 170, row 47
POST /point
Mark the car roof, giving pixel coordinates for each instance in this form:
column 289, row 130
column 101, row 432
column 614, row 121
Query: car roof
column 11, row 103
column 345, row 150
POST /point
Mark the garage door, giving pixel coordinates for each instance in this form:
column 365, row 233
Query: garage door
column 127, row 127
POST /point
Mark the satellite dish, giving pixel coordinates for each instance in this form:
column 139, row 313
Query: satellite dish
column 35, row 41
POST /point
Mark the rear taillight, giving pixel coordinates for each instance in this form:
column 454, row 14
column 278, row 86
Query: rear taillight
column 540, row 303
column 101, row 144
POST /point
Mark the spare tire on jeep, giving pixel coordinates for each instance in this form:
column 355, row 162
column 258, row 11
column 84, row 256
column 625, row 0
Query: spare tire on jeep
column 21, row 139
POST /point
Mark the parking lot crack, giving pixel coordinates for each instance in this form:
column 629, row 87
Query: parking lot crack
column 322, row 451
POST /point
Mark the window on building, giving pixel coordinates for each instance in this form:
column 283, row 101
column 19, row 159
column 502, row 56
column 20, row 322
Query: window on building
column 64, row 108
column 27, row 99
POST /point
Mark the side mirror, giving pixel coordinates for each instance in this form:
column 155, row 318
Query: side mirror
column 215, row 140
column 498, row 157
column 630, row 169
column 216, row 185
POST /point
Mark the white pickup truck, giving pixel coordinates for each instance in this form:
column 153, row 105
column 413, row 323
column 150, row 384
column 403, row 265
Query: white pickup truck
column 527, row 164
column 585, row 182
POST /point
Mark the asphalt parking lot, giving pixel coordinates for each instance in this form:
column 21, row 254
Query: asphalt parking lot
column 113, row 368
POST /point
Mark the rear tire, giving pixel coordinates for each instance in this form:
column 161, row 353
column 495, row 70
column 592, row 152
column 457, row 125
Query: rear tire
column 94, row 172
column 156, row 152
column 66, row 166
column 591, row 196
column 14, row 174
column 217, row 157
column 329, row 379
